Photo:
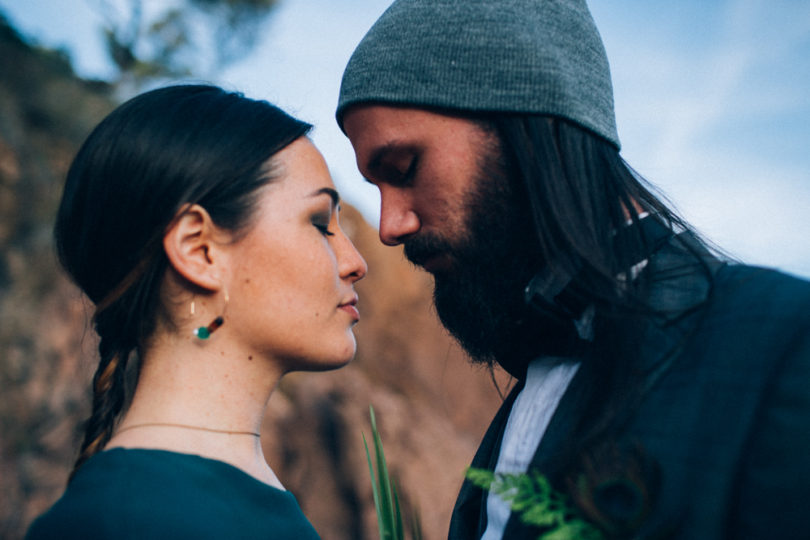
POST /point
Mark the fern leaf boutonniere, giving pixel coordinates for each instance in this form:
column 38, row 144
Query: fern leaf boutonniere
column 536, row 503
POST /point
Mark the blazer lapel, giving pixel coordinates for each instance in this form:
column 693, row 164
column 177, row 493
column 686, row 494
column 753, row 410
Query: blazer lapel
column 469, row 519
column 547, row 454
column 679, row 287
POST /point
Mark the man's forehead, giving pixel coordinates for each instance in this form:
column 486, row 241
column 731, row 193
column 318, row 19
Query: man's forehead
column 387, row 125
column 377, row 131
column 379, row 117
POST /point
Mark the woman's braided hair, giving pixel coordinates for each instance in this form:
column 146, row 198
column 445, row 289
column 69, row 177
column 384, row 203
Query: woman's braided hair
column 141, row 166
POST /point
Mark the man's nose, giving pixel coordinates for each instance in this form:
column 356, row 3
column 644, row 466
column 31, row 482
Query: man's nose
column 398, row 219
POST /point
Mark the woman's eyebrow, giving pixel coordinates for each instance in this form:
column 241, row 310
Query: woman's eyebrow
column 333, row 194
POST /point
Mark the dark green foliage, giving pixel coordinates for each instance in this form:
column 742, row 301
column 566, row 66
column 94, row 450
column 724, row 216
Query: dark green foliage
column 536, row 503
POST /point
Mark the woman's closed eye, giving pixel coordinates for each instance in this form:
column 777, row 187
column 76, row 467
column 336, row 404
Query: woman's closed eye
column 321, row 222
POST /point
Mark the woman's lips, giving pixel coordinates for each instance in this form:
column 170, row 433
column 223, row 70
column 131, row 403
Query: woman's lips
column 350, row 307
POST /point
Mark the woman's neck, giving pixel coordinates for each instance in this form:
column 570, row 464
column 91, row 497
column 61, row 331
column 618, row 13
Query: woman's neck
column 201, row 398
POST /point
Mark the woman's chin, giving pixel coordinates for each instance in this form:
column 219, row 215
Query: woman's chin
column 328, row 363
column 344, row 358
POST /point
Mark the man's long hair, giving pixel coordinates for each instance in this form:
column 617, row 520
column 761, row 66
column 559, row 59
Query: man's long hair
column 580, row 192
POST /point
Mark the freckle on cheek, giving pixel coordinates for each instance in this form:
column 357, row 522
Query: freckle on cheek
column 250, row 357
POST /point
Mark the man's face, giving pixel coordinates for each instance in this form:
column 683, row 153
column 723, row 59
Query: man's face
column 446, row 197
column 424, row 165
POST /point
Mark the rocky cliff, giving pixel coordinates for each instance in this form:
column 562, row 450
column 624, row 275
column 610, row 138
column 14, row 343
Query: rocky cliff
column 432, row 406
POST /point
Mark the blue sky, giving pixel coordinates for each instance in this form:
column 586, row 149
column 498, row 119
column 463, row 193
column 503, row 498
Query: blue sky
column 712, row 100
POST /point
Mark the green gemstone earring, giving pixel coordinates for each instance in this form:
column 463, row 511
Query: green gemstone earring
column 204, row 332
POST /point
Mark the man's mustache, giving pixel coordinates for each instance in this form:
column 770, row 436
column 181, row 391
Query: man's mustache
column 421, row 248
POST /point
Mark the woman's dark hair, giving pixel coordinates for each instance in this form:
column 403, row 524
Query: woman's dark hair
column 580, row 192
column 150, row 158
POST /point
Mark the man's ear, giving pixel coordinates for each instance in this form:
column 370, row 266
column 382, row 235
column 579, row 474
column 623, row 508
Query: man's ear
column 192, row 250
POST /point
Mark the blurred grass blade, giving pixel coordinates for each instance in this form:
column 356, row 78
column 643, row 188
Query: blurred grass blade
column 383, row 482
column 416, row 525
column 397, row 513
column 375, row 490
column 386, row 498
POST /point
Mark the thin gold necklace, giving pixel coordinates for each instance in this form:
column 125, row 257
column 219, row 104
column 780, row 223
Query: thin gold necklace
column 185, row 426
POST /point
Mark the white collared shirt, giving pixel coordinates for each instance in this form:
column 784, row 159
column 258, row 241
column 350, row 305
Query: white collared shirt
column 547, row 379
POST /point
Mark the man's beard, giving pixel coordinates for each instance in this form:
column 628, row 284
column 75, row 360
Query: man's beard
column 480, row 297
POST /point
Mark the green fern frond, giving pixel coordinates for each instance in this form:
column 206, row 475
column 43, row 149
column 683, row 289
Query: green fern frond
column 532, row 498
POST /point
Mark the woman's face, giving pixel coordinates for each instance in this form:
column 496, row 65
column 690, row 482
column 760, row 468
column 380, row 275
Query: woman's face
column 292, row 293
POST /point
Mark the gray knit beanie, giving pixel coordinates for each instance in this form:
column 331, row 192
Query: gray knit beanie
column 524, row 56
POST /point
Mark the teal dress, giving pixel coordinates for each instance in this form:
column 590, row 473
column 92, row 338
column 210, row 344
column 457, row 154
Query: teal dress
column 137, row 493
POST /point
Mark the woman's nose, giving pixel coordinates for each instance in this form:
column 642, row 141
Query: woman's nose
column 352, row 264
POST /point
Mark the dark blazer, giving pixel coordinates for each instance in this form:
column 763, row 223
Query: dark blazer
column 726, row 416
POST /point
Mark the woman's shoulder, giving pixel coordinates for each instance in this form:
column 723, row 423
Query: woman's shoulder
column 135, row 493
column 95, row 496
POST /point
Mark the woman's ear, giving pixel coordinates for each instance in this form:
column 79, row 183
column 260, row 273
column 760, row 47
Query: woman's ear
column 192, row 250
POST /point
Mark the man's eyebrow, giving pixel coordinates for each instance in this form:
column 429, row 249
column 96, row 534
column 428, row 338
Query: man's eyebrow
column 327, row 191
column 377, row 156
